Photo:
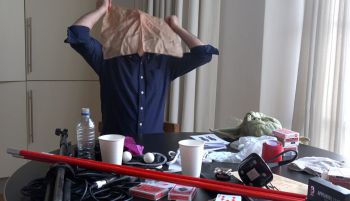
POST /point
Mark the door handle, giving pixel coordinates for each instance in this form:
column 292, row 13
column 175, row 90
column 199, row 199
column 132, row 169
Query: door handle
column 30, row 117
column 28, row 44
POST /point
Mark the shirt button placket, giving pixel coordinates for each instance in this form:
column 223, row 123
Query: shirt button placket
column 141, row 98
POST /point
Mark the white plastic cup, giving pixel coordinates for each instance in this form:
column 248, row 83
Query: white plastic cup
column 112, row 146
column 191, row 152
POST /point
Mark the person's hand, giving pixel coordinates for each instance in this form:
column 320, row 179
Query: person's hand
column 172, row 21
column 190, row 40
column 104, row 4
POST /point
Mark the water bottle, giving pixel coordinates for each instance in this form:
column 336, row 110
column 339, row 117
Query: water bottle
column 86, row 135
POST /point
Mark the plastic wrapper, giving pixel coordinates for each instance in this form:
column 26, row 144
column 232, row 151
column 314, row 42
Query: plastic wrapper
column 245, row 146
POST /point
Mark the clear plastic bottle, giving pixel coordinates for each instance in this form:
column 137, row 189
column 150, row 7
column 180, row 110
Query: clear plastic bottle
column 86, row 135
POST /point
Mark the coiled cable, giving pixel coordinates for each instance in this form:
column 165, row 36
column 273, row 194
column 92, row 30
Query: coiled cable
column 86, row 185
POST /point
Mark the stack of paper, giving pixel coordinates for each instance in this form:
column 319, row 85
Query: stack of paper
column 212, row 142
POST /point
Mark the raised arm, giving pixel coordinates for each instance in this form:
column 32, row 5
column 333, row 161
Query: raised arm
column 190, row 40
column 78, row 36
column 199, row 54
column 90, row 19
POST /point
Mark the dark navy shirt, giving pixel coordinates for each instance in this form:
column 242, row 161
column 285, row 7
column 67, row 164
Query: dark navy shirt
column 133, row 88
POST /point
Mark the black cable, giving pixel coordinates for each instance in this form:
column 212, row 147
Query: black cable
column 92, row 195
column 284, row 162
column 67, row 190
column 62, row 181
column 84, row 186
column 271, row 186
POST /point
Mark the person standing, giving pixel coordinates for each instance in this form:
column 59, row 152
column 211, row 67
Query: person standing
column 133, row 87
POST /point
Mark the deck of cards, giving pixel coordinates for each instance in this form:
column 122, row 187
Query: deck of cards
column 182, row 193
column 223, row 197
column 288, row 138
column 149, row 192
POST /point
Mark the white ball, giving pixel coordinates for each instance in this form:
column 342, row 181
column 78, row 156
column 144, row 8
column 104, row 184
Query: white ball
column 126, row 156
column 148, row 157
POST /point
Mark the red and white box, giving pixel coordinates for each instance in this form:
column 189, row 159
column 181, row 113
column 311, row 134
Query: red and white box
column 149, row 192
column 339, row 176
column 182, row 193
column 291, row 148
column 223, row 197
column 290, row 153
column 288, row 138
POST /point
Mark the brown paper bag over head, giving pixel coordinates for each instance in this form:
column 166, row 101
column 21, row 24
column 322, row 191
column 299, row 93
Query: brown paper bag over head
column 131, row 31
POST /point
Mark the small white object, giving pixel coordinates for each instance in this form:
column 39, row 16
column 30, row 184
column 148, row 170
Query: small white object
column 148, row 157
column 101, row 183
column 127, row 156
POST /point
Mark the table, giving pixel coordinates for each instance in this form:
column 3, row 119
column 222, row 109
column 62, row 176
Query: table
column 153, row 143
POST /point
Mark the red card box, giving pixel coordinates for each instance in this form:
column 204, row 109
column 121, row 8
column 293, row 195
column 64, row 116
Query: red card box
column 284, row 134
column 148, row 191
column 288, row 138
column 182, row 193
column 290, row 153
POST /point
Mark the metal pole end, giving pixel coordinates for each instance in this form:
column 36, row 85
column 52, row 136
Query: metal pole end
column 14, row 152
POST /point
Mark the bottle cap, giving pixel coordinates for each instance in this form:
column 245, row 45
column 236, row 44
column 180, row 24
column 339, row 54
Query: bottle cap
column 85, row 111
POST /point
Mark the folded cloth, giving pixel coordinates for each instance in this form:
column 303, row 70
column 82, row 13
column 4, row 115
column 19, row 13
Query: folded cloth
column 131, row 31
column 315, row 165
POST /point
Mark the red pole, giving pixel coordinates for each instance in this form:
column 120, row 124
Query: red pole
column 224, row 187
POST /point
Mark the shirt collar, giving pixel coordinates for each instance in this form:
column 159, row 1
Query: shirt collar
column 146, row 57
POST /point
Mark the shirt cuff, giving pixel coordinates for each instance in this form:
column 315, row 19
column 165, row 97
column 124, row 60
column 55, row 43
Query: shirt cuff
column 77, row 34
column 205, row 49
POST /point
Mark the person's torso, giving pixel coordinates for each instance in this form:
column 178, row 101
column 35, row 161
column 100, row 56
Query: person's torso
column 133, row 92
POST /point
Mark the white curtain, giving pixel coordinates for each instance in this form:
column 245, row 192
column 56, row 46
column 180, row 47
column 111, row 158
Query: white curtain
column 322, row 108
column 191, row 100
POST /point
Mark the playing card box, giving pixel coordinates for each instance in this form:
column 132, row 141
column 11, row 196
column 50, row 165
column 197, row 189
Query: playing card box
column 182, row 193
column 161, row 184
column 288, row 138
column 223, row 197
column 290, row 153
column 289, row 144
column 149, row 192
column 285, row 134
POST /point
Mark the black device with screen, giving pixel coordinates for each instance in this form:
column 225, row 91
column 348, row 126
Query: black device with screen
column 253, row 171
